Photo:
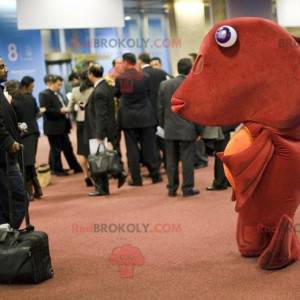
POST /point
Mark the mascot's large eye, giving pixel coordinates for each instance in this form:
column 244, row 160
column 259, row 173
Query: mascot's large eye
column 226, row 36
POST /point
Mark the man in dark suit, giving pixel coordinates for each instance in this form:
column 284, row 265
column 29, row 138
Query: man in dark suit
column 220, row 181
column 156, row 76
column 100, row 122
column 11, row 180
column 155, row 63
column 137, row 119
column 57, row 127
column 180, row 135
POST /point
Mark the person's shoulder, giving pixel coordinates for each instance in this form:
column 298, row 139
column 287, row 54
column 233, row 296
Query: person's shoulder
column 76, row 89
column 45, row 91
column 170, row 82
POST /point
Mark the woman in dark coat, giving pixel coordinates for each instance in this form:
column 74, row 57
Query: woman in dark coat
column 27, row 112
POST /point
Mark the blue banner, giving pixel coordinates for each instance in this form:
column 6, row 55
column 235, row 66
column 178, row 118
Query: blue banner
column 21, row 49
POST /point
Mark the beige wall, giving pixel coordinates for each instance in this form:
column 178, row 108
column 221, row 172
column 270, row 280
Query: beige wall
column 187, row 23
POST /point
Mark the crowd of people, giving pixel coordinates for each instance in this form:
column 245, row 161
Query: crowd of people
column 133, row 100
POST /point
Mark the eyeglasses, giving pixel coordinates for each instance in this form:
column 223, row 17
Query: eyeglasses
column 2, row 67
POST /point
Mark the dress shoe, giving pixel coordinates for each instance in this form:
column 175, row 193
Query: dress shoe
column 215, row 188
column 98, row 194
column 132, row 183
column 172, row 194
column 88, row 182
column 121, row 180
column 157, row 179
column 190, row 193
column 60, row 174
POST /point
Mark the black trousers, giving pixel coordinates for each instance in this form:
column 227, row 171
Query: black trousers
column 161, row 151
column 201, row 157
column 184, row 151
column 141, row 141
column 11, row 180
column 101, row 183
column 30, row 172
column 220, row 180
column 58, row 144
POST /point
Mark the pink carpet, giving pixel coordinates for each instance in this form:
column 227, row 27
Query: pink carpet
column 195, row 257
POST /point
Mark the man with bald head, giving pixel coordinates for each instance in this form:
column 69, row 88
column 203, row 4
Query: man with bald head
column 100, row 123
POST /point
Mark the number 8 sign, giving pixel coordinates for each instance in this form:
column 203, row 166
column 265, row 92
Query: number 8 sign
column 12, row 52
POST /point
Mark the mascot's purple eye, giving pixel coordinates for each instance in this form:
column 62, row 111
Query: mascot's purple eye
column 226, row 36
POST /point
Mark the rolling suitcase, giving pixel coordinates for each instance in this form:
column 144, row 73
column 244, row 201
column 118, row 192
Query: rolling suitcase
column 24, row 254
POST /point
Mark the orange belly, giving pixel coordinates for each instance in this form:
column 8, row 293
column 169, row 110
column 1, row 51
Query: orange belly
column 240, row 142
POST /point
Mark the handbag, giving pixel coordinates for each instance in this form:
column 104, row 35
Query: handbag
column 105, row 162
column 24, row 254
column 44, row 175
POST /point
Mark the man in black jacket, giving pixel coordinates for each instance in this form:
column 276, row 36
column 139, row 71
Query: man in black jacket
column 156, row 76
column 180, row 135
column 137, row 119
column 11, row 180
column 57, row 127
column 100, row 122
column 220, row 181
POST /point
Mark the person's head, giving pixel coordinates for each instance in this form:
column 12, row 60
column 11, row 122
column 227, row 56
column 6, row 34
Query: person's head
column 3, row 70
column 74, row 79
column 27, row 85
column 184, row 66
column 95, row 72
column 143, row 59
column 117, row 64
column 85, row 83
column 13, row 88
column 155, row 62
column 129, row 61
column 48, row 80
column 56, row 83
column 193, row 56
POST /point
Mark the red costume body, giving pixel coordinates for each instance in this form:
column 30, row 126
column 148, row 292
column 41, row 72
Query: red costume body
column 255, row 81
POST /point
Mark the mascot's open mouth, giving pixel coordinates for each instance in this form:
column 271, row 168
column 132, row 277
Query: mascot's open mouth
column 177, row 104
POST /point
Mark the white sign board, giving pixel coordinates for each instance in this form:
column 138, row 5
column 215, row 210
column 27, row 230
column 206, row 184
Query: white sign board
column 288, row 13
column 70, row 14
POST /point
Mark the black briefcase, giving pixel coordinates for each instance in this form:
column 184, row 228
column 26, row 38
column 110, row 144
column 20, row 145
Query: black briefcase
column 105, row 162
column 24, row 254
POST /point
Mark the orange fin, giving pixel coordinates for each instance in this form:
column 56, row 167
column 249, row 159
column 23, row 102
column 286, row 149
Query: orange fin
column 247, row 167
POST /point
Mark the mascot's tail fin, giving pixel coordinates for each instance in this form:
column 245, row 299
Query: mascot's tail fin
column 284, row 247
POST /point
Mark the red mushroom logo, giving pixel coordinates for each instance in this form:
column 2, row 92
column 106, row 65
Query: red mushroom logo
column 126, row 257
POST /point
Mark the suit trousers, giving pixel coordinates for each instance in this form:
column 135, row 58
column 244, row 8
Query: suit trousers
column 12, row 182
column 58, row 144
column 101, row 183
column 184, row 151
column 220, row 180
column 141, row 141
column 201, row 157
column 162, row 151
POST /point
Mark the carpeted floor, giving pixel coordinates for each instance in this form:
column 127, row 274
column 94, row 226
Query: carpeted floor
column 188, row 252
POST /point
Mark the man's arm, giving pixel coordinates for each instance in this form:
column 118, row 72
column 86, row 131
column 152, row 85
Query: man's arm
column 101, row 107
column 160, row 106
column 7, row 142
column 47, row 108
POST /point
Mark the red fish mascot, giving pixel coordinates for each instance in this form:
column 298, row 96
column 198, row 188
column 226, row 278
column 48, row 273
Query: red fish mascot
column 248, row 71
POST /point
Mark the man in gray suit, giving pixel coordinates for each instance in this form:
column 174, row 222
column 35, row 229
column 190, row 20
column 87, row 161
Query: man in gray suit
column 180, row 135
